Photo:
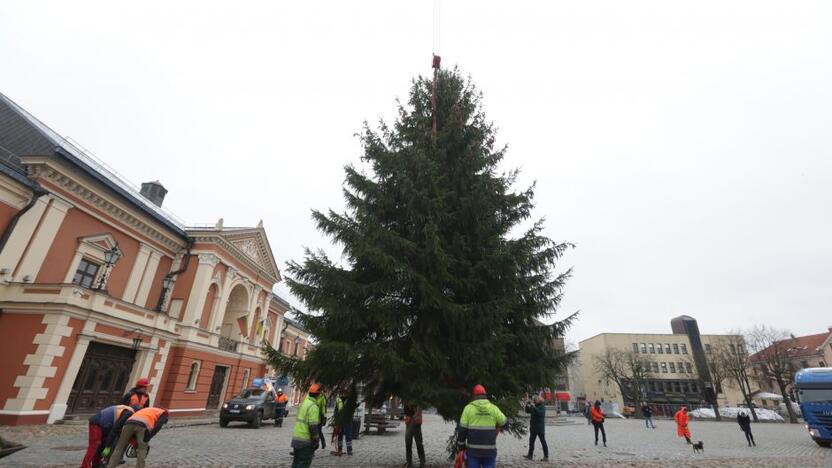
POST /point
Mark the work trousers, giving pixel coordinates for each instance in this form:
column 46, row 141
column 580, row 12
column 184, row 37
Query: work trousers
column 93, row 457
column 302, row 457
column 538, row 435
column 482, row 462
column 413, row 432
column 129, row 431
column 345, row 433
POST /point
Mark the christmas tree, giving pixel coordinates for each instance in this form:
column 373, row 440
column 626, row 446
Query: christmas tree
column 445, row 277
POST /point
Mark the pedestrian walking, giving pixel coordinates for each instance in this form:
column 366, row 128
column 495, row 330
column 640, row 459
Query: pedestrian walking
column 137, row 396
column 306, row 434
column 745, row 425
column 537, row 427
column 413, row 432
column 648, row 416
column 321, row 401
column 477, row 430
column 105, row 427
column 598, row 418
column 682, row 420
column 141, row 426
column 280, row 403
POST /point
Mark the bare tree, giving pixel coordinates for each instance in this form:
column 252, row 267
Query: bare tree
column 730, row 354
column 626, row 370
column 771, row 352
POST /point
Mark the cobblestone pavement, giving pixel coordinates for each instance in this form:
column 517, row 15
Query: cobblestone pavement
column 570, row 445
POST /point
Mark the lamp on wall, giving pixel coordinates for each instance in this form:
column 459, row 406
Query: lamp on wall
column 167, row 285
column 138, row 338
column 111, row 256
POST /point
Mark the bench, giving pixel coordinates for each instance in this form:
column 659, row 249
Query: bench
column 379, row 422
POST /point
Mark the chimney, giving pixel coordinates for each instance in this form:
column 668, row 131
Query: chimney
column 154, row 191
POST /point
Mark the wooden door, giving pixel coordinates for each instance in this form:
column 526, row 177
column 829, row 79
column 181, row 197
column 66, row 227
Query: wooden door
column 215, row 391
column 102, row 379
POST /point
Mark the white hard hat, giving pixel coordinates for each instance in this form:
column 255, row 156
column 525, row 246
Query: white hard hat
column 280, row 390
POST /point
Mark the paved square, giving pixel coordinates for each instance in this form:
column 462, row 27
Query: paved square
column 630, row 444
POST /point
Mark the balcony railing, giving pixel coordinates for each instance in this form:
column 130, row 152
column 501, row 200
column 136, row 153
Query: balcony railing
column 227, row 344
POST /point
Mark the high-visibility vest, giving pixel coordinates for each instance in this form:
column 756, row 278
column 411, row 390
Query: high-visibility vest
column 481, row 418
column 148, row 416
column 137, row 399
column 282, row 399
column 308, row 416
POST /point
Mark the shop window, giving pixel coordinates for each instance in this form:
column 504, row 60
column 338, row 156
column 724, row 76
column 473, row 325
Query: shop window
column 86, row 273
column 193, row 376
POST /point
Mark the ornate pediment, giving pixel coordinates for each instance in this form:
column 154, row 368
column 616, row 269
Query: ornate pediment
column 249, row 245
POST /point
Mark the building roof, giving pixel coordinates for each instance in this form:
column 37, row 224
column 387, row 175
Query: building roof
column 22, row 134
column 799, row 346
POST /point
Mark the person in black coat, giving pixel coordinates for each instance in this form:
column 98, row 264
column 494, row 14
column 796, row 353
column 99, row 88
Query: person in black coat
column 537, row 427
column 745, row 424
column 648, row 415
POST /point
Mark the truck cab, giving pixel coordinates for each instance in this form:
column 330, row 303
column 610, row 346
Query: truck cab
column 814, row 393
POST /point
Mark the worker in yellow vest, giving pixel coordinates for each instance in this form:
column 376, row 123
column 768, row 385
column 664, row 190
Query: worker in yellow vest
column 305, row 436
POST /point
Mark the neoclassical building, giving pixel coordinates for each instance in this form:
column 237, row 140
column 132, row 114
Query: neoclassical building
column 100, row 285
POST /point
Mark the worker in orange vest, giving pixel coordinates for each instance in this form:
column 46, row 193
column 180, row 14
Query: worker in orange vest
column 137, row 397
column 280, row 407
column 142, row 426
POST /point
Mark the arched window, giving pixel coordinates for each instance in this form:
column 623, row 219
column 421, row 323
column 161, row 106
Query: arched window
column 193, row 376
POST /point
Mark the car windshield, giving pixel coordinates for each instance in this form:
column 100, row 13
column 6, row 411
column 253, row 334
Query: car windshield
column 252, row 393
column 815, row 395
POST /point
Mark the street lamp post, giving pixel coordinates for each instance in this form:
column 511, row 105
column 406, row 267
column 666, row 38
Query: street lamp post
column 111, row 256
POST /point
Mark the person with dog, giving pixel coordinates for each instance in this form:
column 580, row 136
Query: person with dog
column 137, row 396
column 648, row 416
column 306, row 434
column 598, row 418
column 105, row 427
column 745, row 425
column 537, row 427
column 682, row 420
column 141, row 426
column 479, row 425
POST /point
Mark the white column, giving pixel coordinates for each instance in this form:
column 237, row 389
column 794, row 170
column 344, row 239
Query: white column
column 22, row 234
column 43, row 237
column 216, row 321
column 136, row 273
column 147, row 279
column 199, row 290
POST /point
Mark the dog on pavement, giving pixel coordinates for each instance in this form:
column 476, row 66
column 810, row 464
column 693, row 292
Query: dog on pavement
column 698, row 447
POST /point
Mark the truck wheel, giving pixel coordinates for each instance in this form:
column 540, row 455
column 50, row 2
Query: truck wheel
column 824, row 443
column 223, row 422
column 255, row 422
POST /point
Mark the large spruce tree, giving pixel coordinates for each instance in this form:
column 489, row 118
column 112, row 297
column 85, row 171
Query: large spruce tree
column 440, row 285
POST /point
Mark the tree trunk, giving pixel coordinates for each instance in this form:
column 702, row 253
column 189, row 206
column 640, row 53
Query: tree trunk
column 746, row 394
column 716, row 411
column 787, row 401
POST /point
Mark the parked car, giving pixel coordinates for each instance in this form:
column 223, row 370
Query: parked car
column 252, row 405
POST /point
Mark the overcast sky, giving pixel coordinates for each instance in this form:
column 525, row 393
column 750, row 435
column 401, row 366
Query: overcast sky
column 685, row 147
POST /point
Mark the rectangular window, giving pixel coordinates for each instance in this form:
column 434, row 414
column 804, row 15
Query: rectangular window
column 688, row 368
column 707, row 347
column 652, row 348
column 664, row 368
column 694, row 388
column 675, row 348
column 667, row 348
column 676, row 388
column 635, row 348
column 672, row 367
column 643, row 348
column 684, row 387
column 681, row 368
column 86, row 273
column 659, row 348
column 654, row 366
column 684, row 349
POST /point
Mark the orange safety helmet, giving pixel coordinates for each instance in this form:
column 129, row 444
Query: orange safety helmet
column 478, row 390
column 315, row 388
column 142, row 382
